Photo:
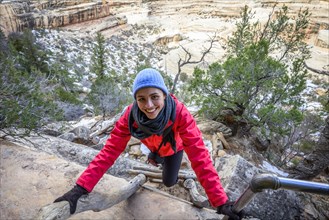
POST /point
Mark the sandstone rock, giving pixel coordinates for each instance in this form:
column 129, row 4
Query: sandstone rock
column 55, row 129
column 323, row 39
column 78, row 135
column 167, row 39
column 82, row 133
column 321, row 91
column 95, row 140
column 213, row 127
column 17, row 16
column 68, row 136
column 135, row 150
column 31, row 179
column 221, row 153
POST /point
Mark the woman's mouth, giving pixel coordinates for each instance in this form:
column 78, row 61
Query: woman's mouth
column 151, row 113
column 150, row 110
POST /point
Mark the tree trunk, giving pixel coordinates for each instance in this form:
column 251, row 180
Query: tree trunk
column 93, row 201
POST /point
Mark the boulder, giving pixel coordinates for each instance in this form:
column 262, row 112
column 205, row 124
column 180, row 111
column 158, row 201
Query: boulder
column 236, row 174
column 212, row 127
column 323, row 39
column 78, row 135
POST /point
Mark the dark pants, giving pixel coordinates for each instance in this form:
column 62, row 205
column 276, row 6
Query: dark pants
column 171, row 167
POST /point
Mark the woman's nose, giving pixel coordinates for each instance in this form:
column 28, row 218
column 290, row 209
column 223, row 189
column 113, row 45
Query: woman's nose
column 149, row 103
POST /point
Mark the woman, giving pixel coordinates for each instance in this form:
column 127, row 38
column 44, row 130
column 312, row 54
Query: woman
column 167, row 128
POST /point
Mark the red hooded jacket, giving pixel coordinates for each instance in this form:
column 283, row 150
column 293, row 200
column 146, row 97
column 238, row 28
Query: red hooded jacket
column 188, row 138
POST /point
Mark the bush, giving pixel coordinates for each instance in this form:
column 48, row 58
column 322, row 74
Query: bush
column 108, row 97
column 28, row 85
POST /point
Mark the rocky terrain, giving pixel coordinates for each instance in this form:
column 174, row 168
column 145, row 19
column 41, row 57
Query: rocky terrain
column 38, row 169
column 33, row 175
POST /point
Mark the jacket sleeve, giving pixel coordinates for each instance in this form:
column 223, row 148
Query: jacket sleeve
column 115, row 145
column 200, row 159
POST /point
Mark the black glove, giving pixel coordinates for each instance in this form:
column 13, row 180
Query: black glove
column 72, row 197
column 227, row 209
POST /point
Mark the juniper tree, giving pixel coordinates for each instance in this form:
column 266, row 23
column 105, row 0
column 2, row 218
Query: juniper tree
column 98, row 65
column 108, row 92
column 24, row 105
column 262, row 78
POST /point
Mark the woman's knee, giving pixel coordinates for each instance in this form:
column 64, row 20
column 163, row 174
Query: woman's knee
column 169, row 183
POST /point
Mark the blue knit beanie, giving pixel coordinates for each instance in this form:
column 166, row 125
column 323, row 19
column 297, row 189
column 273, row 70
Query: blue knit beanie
column 149, row 78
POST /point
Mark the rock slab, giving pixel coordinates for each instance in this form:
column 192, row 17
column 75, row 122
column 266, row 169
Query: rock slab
column 32, row 179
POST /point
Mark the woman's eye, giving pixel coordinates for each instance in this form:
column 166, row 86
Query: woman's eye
column 155, row 97
column 140, row 100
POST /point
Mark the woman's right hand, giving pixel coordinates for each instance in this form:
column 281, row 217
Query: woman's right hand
column 72, row 197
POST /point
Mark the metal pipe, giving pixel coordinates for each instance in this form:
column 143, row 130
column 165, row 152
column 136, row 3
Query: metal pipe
column 270, row 181
column 244, row 200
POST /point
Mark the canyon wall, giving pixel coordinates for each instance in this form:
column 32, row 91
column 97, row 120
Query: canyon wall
column 17, row 15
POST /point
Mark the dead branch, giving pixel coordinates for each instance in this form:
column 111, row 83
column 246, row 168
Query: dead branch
column 157, row 175
column 155, row 190
column 147, row 168
column 156, row 170
column 197, row 199
column 221, row 137
column 94, row 201
column 322, row 72
column 188, row 60
column 107, row 128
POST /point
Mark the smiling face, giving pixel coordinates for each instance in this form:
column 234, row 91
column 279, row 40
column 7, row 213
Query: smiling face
column 150, row 101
